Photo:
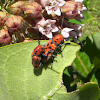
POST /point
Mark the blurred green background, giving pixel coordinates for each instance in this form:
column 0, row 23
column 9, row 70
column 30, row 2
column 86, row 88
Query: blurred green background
column 92, row 26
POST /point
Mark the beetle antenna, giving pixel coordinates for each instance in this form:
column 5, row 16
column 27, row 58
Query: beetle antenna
column 38, row 37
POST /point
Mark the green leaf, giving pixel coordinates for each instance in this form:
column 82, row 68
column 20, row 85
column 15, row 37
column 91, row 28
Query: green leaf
column 87, row 17
column 20, row 81
column 94, row 79
column 96, row 65
column 89, row 91
column 92, row 47
column 96, row 39
column 88, row 59
column 96, row 62
column 97, row 76
column 66, row 72
column 95, row 71
column 85, row 3
column 74, row 21
column 82, row 63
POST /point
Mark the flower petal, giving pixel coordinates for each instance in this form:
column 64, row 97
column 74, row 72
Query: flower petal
column 48, row 9
column 79, row 0
column 42, row 23
column 79, row 33
column 57, row 11
column 49, row 35
column 84, row 8
column 61, row 2
column 67, row 29
column 77, row 27
column 41, row 30
column 55, row 29
column 52, row 21
column 66, row 35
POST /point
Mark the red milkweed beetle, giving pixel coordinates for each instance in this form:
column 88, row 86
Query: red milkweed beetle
column 36, row 61
column 58, row 39
column 51, row 47
column 38, row 50
column 36, row 56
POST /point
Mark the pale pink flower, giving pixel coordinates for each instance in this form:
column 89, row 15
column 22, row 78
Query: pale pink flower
column 77, row 27
column 72, row 34
column 46, row 27
column 44, row 2
column 54, row 6
column 78, row 0
column 80, row 5
column 80, row 11
column 65, row 32
column 79, row 33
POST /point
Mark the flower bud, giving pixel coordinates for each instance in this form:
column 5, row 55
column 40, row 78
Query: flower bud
column 69, row 6
column 33, row 10
column 5, row 38
column 18, row 7
column 14, row 23
column 69, row 10
column 3, row 18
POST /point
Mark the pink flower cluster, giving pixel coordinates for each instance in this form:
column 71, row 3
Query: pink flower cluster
column 52, row 18
column 49, row 17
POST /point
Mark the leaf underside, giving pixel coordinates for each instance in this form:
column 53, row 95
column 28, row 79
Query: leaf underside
column 18, row 78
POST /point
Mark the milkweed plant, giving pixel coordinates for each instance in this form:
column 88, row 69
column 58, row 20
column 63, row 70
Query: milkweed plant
column 26, row 24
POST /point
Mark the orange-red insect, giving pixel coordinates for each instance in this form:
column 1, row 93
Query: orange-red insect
column 36, row 56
